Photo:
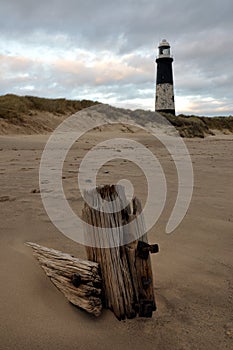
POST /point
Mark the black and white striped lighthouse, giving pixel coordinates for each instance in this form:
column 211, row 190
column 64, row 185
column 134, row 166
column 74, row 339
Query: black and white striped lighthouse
column 164, row 100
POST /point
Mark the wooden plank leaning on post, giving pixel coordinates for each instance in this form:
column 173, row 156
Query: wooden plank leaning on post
column 79, row 280
column 126, row 265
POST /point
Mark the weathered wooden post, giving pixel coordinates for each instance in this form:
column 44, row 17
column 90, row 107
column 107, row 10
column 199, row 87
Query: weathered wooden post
column 125, row 268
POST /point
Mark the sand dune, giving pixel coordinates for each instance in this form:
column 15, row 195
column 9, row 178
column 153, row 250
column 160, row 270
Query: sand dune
column 36, row 115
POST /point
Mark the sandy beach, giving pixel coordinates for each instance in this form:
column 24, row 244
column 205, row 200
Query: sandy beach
column 193, row 276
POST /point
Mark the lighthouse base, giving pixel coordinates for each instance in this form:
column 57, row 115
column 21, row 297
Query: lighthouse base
column 164, row 101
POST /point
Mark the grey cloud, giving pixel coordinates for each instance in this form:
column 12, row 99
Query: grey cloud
column 200, row 34
column 210, row 107
column 116, row 25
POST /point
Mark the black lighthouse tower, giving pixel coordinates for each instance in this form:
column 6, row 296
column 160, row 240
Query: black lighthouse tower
column 164, row 100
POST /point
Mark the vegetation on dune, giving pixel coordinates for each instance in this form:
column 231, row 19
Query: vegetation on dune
column 194, row 126
column 22, row 111
column 13, row 106
column 29, row 114
column 219, row 123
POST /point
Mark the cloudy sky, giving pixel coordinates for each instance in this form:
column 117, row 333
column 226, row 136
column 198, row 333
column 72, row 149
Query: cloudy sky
column 105, row 50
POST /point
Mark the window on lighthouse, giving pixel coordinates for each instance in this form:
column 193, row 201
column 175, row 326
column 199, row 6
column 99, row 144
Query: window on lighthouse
column 164, row 51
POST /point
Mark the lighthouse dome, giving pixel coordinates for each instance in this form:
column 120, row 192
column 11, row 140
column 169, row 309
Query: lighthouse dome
column 163, row 43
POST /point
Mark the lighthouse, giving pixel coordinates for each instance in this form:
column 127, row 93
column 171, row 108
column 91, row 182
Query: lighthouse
column 164, row 98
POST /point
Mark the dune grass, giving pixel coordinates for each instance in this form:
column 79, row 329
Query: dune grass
column 12, row 106
column 195, row 126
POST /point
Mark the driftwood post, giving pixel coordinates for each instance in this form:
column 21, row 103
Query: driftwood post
column 125, row 267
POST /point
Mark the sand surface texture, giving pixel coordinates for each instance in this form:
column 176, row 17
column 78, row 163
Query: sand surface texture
column 192, row 273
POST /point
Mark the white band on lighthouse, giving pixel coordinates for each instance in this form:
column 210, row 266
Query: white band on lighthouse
column 164, row 97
